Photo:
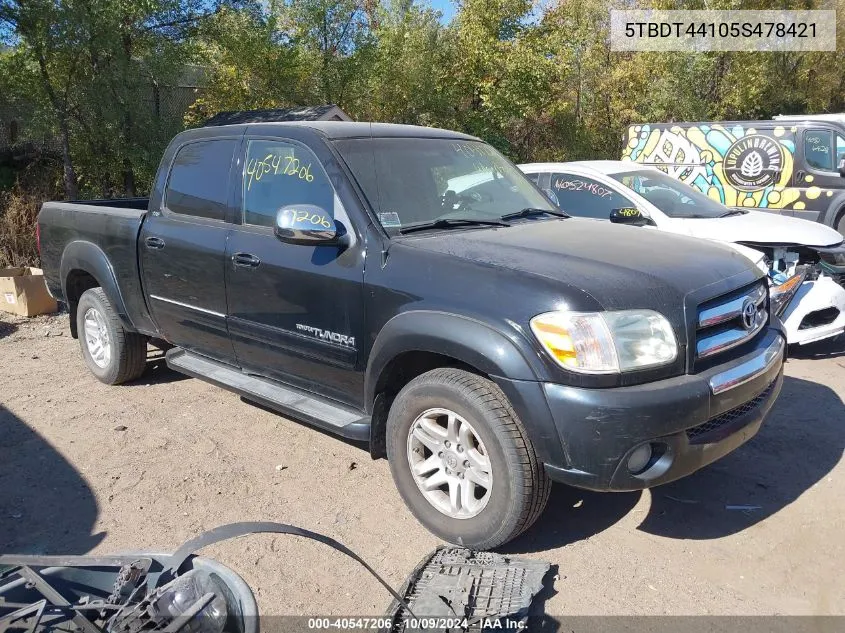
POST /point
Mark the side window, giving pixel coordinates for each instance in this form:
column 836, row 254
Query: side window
column 278, row 174
column 535, row 178
column 840, row 151
column 585, row 197
column 817, row 149
column 543, row 181
column 198, row 184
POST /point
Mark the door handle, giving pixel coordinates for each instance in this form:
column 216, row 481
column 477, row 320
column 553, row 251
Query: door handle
column 245, row 260
column 799, row 177
column 155, row 243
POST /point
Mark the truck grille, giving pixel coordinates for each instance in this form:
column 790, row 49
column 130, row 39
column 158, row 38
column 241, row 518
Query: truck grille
column 729, row 321
column 722, row 425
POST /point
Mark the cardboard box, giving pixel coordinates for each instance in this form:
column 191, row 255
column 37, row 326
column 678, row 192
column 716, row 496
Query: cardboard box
column 23, row 291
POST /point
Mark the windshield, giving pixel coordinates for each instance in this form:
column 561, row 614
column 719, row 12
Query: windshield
column 671, row 196
column 413, row 181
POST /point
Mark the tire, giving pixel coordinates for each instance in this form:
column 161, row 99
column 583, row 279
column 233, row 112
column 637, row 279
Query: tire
column 840, row 224
column 519, row 487
column 127, row 351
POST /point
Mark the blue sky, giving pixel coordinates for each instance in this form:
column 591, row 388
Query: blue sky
column 447, row 7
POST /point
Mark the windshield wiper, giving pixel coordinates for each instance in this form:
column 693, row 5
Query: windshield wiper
column 527, row 212
column 450, row 223
column 733, row 212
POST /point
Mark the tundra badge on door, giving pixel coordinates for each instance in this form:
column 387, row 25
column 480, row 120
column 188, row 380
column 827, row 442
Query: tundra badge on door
column 327, row 335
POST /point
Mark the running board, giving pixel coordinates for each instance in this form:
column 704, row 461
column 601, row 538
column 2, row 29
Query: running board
column 301, row 405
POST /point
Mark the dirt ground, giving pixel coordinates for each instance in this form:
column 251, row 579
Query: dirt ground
column 90, row 468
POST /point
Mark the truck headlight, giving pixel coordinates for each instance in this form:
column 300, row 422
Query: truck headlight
column 606, row 342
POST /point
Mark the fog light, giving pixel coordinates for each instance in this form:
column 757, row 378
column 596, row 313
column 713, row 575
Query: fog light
column 639, row 459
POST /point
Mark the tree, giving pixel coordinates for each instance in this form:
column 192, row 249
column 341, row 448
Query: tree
column 44, row 36
column 407, row 79
column 250, row 64
column 335, row 43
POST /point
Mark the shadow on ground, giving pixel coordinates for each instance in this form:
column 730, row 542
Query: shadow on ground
column 798, row 445
column 7, row 329
column 46, row 507
column 156, row 372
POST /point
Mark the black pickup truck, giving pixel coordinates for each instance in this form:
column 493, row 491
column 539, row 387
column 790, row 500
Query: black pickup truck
column 409, row 287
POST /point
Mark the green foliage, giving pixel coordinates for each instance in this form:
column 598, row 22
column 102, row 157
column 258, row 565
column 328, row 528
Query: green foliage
column 537, row 81
column 249, row 65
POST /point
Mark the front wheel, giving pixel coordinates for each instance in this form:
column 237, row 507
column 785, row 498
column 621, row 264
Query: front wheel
column 462, row 459
column 113, row 354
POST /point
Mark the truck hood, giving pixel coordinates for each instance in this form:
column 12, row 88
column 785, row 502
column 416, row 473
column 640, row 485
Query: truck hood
column 618, row 266
column 761, row 228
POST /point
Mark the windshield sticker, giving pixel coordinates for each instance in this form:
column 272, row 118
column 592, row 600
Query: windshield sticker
column 277, row 165
column 390, row 220
column 579, row 185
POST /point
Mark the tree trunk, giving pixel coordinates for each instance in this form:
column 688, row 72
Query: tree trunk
column 69, row 173
column 128, row 172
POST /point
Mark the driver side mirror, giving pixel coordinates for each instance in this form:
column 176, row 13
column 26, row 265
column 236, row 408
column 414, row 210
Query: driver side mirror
column 629, row 215
column 842, row 165
column 308, row 224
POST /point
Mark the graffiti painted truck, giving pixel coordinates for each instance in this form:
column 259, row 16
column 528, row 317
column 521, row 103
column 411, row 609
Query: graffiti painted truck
column 790, row 165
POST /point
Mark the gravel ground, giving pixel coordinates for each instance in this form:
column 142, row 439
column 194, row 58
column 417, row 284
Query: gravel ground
column 90, row 468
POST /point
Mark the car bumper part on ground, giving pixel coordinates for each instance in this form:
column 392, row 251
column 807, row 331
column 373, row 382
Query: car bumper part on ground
column 816, row 312
column 687, row 422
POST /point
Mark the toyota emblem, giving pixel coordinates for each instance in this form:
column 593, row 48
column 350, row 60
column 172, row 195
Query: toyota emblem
column 749, row 314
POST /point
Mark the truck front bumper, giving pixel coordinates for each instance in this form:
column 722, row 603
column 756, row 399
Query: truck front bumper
column 680, row 424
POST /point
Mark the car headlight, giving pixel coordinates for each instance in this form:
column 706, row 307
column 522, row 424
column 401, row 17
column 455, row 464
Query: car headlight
column 780, row 294
column 606, row 342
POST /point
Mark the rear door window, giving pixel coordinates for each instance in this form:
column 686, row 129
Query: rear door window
column 818, row 150
column 281, row 173
column 584, row 197
column 198, row 184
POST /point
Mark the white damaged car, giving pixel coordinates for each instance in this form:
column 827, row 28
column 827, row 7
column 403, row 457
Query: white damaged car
column 805, row 261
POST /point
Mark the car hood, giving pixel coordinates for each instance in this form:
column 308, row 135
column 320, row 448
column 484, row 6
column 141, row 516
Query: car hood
column 619, row 266
column 762, row 228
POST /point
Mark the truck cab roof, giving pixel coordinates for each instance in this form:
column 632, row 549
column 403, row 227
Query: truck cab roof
column 330, row 130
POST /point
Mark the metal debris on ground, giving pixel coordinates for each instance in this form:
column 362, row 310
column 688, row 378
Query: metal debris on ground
column 123, row 594
column 453, row 590
column 469, row 590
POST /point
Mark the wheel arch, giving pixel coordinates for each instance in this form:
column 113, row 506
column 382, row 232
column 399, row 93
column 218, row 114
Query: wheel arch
column 835, row 210
column 462, row 339
column 84, row 266
column 415, row 342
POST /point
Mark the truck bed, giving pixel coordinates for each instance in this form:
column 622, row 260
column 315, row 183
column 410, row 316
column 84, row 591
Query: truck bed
column 113, row 226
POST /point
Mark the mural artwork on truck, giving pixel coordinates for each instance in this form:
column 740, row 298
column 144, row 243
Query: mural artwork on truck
column 737, row 165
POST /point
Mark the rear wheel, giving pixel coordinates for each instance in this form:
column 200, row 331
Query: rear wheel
column 113, row 354
column 462, row 460
column 840, row 224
